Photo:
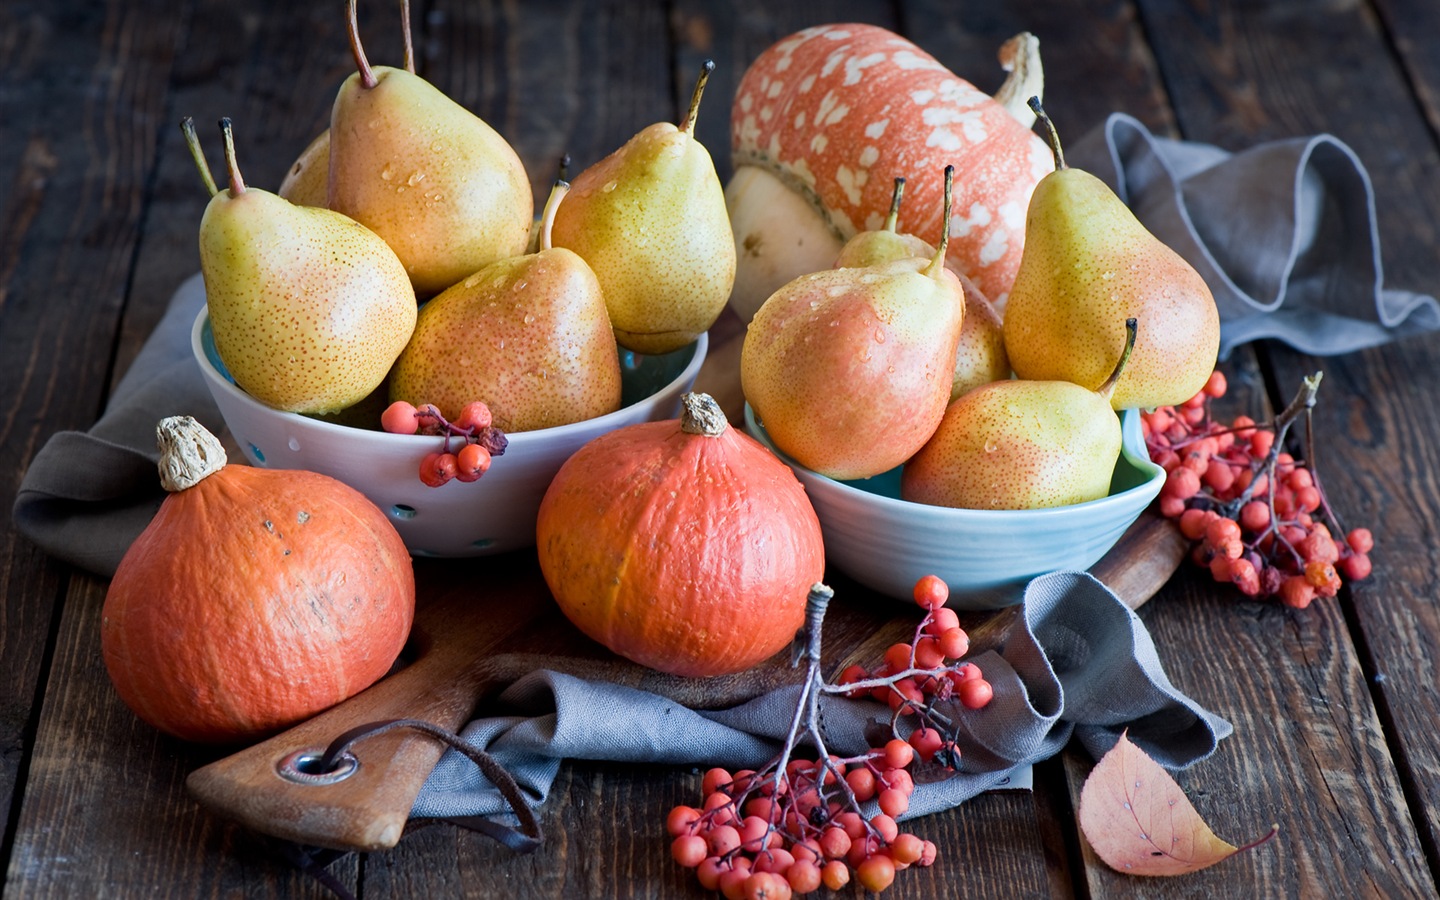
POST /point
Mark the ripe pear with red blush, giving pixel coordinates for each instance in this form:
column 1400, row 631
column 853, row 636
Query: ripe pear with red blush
column 529, row 335
column 980, row 356
column 850, row 369
column 1021, row 445
column 1088, row 265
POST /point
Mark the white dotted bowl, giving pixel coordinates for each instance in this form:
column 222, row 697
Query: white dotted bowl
column 493, row 515
column 986, row 556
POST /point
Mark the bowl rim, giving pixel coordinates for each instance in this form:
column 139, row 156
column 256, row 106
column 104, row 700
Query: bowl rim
column 1132, row 449
column 698, row 352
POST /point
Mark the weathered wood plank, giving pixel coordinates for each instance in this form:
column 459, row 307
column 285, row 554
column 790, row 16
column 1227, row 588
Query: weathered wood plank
column 1410, row 24
column 1309, row 750
column 244, row 63
column 79, row 98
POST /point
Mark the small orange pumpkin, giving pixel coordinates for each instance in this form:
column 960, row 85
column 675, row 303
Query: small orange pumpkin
column 255, row 598
column 682, row 545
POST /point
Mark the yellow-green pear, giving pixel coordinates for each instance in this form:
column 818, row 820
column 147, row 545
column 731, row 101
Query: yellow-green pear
column 431, row 178
column 308, row 178
column 309, row 308
column 528, row 335
column 650, row 219
column 1021, row 445
column 980, row 354
column 1088, row 265
column 884, row 244
column 850, row 369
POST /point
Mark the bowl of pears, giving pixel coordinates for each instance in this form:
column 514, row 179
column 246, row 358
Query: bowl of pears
column 396, row 317
column 936, row 434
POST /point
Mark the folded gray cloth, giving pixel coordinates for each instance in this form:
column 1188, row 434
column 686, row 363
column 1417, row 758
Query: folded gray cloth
column 1284, row 233
column 1079, row 662
column 88, row 495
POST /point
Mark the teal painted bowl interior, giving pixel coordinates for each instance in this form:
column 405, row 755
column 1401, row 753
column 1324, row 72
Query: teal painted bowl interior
column 986, row 556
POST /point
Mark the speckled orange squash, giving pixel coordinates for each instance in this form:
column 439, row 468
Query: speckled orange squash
column 255, row 598
column 682, row 545
column 838, row 111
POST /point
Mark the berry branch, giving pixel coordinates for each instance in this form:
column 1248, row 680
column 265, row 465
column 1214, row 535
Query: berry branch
column 796, row 823
column 1259, row 518
column 475, row 426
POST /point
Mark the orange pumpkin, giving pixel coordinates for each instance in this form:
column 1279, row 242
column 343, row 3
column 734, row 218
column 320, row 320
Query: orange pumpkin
column 255, row 598
column 682, row 545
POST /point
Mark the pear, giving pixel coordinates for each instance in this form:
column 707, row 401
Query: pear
column 1088, row 265
column 1021, row 445
column 307, row 181
column 529, row 335
column 435, row 181
column 850, row 369
column 980, row 356
column 884, row 244
column 650, row 219
column 309, row 308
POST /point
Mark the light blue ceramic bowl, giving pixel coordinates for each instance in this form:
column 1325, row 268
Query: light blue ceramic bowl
column 493, row 515
column 986, row 556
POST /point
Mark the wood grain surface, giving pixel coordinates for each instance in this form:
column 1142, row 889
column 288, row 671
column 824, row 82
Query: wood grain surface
column 1334, row 707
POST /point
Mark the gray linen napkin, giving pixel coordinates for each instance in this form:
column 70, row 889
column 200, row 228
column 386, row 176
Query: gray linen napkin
column 1284, row 233
column 88, row 494
column 1079, row 662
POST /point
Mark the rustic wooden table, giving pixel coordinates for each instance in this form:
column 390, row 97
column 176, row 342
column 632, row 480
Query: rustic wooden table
column 1335, row 708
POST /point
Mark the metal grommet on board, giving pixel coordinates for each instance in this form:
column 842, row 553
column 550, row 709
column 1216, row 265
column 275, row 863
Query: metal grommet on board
column 303, row 767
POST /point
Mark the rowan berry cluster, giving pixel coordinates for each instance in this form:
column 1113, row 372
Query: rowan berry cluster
column 480, row 439
column 1258, row 516
column 796, row 824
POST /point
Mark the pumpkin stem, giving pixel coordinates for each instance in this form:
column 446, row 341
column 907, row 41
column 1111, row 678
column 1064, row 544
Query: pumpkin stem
column 188, row 453
column 702, row 415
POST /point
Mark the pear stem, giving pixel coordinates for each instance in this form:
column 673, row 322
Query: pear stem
column 688, row 126
column 894, row 215
column 237, row 184
column 938, row 262
column 552, row 204
column 192, row 140
column 405, row 32
column 1108, row 388
column 352, row 25
column 564, row 173
column 1052, row 135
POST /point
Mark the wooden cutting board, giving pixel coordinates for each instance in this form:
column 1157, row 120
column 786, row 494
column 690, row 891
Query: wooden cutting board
column 481, row 625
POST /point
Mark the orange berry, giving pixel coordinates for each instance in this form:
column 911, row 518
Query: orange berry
column 931, row 592
column 1360, row 540
column 893, row 802
column 907, row 848
column 1216, row 385
column 689, row 850
column 1296, row 592
column 835, row 875
column 876, row 873
column 1355, row 567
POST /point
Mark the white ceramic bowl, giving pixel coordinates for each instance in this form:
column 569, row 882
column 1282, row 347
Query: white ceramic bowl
column 492, row 515
column 986, row 556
